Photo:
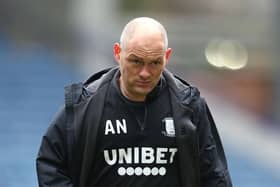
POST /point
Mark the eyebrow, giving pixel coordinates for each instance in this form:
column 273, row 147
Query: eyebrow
column 135, row 56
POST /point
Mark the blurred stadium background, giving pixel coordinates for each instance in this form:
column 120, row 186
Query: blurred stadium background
column 229, row 49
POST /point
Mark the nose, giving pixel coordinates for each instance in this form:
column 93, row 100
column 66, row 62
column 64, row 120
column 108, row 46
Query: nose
column 145, row 72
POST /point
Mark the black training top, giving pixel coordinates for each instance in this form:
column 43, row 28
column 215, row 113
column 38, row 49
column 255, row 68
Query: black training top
column 136, row 141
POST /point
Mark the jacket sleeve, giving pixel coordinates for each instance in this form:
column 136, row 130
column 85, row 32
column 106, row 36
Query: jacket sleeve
column 51, row 162
column 213, row 165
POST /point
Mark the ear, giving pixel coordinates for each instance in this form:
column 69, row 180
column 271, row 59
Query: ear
column 117, row 51
column 168, row 54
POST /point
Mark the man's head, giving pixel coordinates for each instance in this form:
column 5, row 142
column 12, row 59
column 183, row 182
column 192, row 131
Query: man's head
column 142, row 55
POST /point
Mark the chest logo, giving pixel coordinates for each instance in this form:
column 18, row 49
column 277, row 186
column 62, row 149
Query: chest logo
column 168, row 128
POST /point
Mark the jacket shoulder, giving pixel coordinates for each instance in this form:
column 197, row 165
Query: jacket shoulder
column 72, row 93
column 185, row 92
column 77, row 92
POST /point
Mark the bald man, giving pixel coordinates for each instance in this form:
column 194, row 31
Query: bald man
column 133, row 125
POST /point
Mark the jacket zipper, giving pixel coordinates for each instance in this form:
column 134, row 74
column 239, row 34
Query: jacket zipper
column 142, row 124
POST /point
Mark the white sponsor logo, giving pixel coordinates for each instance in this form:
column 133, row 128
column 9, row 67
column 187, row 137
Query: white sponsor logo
column 142, row 155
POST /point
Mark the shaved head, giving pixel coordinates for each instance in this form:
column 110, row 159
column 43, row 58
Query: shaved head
column 142, row 25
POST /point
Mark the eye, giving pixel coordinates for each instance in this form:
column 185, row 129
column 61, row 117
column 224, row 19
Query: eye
column 135, row 61
column 157, row 62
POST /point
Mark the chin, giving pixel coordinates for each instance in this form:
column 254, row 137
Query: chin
column 143, row 92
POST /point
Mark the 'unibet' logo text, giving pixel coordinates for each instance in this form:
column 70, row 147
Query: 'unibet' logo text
column 140, row 155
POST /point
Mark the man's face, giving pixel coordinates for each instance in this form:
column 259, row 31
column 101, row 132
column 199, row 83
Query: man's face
column 141, row 63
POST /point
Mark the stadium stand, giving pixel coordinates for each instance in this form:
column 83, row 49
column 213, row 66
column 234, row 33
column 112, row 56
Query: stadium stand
column 32, row 84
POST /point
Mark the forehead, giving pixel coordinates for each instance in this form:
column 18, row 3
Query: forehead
column 145, row 53
column 145, row 45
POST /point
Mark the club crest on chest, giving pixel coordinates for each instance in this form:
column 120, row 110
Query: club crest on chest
column 168, row 128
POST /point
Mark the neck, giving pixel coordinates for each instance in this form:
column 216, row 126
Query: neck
column 137, row 98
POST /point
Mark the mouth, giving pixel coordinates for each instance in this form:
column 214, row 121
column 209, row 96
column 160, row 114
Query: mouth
column 143, row 83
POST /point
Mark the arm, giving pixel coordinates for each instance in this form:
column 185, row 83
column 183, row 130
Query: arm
column 213, row 164
column 51, row 162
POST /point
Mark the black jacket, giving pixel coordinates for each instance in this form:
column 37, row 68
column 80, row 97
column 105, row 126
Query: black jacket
column 66, row 153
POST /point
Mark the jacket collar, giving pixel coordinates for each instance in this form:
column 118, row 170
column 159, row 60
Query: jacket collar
column 184, row 92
